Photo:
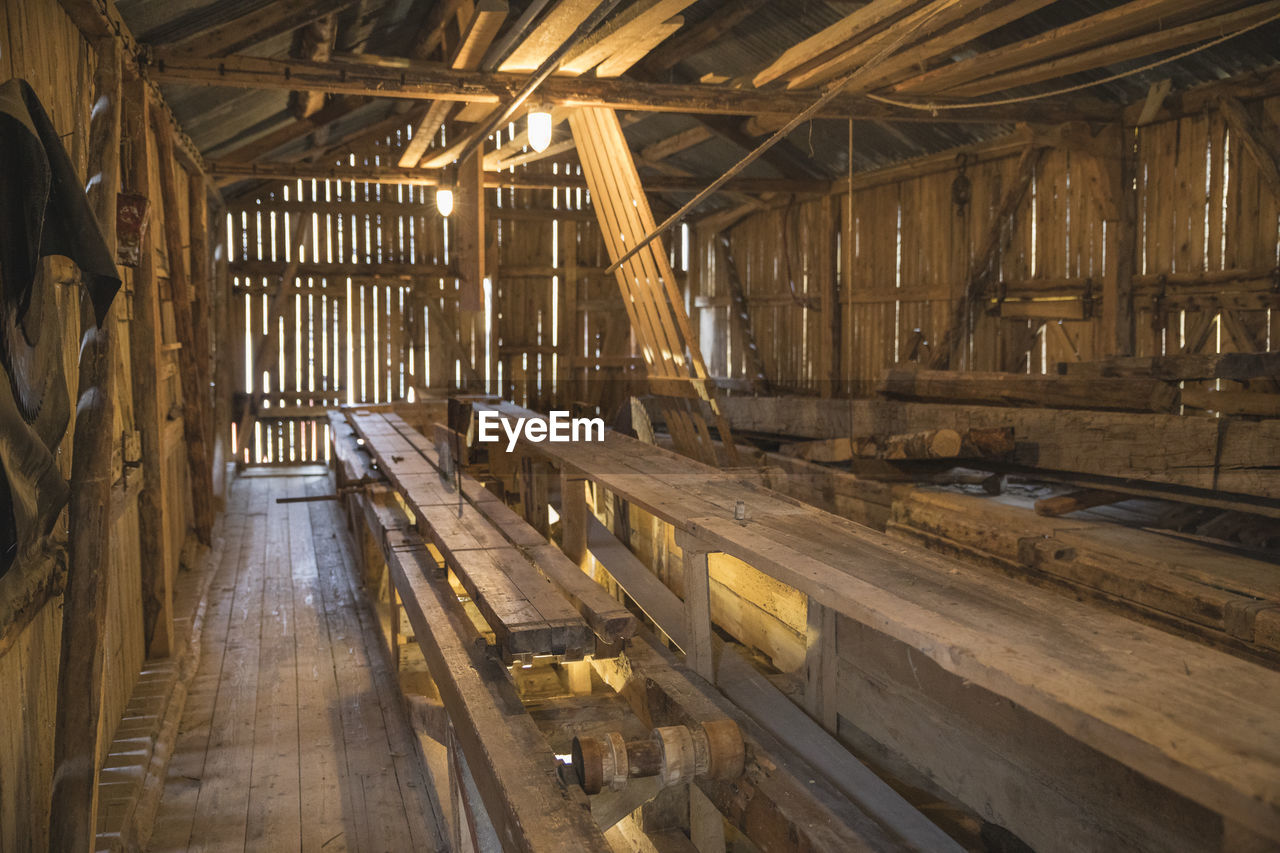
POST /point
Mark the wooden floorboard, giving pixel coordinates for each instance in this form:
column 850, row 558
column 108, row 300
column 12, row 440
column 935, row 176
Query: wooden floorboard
column 294, row 736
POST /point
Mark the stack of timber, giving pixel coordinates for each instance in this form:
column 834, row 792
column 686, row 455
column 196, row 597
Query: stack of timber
column 1204, row 460
column 1186, row 735
column 1228, row 600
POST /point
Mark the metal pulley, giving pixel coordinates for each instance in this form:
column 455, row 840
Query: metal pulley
column 675, row 754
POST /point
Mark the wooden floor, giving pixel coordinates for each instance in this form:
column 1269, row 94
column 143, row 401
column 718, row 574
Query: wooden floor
column 293, row 736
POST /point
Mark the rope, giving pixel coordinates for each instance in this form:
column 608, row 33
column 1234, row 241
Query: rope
column 935, row 108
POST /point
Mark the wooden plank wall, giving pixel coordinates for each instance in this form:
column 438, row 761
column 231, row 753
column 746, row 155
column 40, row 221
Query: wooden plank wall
column 39, row 43
column 376, row 310
column 1202, row 207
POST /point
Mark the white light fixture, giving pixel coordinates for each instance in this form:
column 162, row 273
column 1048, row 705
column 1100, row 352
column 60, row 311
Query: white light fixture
column 539, row 128
column 444, row 199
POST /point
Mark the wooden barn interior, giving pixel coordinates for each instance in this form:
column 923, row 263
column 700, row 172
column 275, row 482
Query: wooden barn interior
column 640, row 425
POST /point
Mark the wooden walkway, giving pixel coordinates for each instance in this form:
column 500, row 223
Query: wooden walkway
column 294, row 736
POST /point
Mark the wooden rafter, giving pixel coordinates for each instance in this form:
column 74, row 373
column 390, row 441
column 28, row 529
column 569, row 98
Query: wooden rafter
column 220, row 170
column 860, row 23
column 474, row 39
column 1109, row 54
column 1070, row 38
column 697, row 38
column 269, row 20
column 369, row 77
column 895, row 39
column 907, row 61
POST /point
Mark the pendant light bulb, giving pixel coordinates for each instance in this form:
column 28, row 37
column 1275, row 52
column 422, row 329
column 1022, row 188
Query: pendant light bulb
column 444, row 200
column 539, row 129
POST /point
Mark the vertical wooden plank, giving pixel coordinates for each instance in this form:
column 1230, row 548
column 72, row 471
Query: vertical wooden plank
column 144, row 344
column 74, row 800
column 821, row 690
column 697, row 607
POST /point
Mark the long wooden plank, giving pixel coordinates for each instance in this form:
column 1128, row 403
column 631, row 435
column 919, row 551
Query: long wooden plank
column 1132, row 48
column 1057, row 392
column 513, row 766
column 525, row 611
column 1077, row 35
column 608, row 618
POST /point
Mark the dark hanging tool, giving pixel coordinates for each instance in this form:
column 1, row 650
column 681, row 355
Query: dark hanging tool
column 961, row 187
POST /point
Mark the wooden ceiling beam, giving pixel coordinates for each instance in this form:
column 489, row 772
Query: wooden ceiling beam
column 1070, row 38
column 221, row 169
column 906, row 62
column 674, row 144
column 404, row 79
column 474, row 40
column 857, row 25
column 881, row 48
column 269, row 20
column 262, row 146
column 551, row 31
column 1121, row 51
column 633, row 24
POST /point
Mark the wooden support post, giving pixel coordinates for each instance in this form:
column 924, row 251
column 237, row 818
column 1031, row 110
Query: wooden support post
column 194, row 421
column 201, row 313
column 469, row 233
column 73, row 814
column 579, row 672
column 697, row 607
column 144, row 347
column 820, row 689
column 224, row 362
column 1117, row 285
column 573, row 516
column 706, row 824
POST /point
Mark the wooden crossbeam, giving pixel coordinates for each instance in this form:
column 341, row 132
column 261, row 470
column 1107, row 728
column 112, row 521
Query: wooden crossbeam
column 369, row 77
column 220, row 170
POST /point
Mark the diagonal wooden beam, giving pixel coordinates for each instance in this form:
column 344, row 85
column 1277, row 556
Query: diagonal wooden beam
column 1133, row 48
column 1079, row 35
column 901, row 34
column 997, row 236
column 674, row 144
column 851, row 27
column 1261, row 144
